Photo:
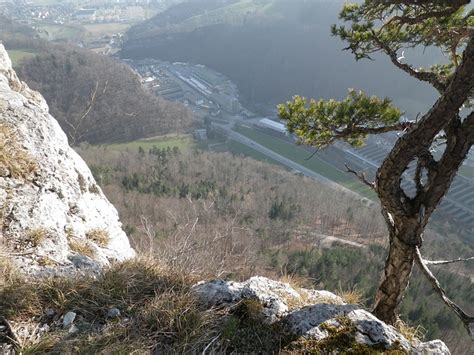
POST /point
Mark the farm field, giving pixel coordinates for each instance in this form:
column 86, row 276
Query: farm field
column 467, row 171
column 61, row 32
column 241, row 149
column 183, row 142
column 102, row 29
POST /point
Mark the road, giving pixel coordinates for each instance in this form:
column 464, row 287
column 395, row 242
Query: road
column 282, row 160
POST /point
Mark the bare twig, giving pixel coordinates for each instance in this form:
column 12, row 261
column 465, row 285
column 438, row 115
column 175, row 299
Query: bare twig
column 148, row 230
column 210, row 343
column 426, row 76
column 312, row 155
column 9, row 333
column 444, row 262
column 361, row 177
column 467, row 320
column 75, row 127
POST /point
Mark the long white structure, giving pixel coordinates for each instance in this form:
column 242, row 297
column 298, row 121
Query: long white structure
column 276, row 126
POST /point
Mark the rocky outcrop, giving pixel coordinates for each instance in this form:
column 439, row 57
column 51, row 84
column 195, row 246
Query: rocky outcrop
column 53, row 215
column 318, row 316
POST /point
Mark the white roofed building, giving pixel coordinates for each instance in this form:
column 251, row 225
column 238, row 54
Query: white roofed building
column 274, row 125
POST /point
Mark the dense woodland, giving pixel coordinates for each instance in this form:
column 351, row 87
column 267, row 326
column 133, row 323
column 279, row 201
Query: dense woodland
column 238, row 39
column 229, row 216
column 95, row 98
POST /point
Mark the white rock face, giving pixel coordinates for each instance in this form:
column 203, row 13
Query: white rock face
column 61, row 199
column 276, row 297
column 312, row 314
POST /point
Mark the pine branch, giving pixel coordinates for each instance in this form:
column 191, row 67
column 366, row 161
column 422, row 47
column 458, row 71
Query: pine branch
column 451, row 7
column 428, row 77
column 402, row 126
column 451, row 3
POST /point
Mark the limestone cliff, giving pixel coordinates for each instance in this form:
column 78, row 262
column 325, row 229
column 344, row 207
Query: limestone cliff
column 53, row 216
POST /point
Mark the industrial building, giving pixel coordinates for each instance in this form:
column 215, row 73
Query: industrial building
column 273, row 125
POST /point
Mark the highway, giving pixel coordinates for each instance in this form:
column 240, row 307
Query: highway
column 282, row 160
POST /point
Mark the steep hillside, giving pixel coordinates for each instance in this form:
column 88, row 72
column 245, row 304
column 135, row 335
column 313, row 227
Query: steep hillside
column 228, row 216
column 94, row 98
column 251, row 40
column 56, row 221
column 53, row 215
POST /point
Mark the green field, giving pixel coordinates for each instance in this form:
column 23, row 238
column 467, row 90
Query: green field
column 61, row 32
column 467, row 171
column 19, row 55
column 183, row 142
column 241, row 149
column 299, row 155
column 101, row 29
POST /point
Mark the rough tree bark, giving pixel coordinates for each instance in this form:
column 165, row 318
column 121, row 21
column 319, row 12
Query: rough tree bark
column 388, row 26
column 407, row 217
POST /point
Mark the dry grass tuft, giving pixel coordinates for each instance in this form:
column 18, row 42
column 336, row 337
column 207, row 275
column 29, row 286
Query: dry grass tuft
column 294, row 281
column 45, row 261
column 81, row 246
column 353, row 296
column 412, row 334
column 99, row 236
column 37, row 236
column 30, row 342
column 94, row 189
column 14, row 160
column 9, row 273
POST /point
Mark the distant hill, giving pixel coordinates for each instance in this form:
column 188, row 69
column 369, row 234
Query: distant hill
column 272, row 49
column 95, row 98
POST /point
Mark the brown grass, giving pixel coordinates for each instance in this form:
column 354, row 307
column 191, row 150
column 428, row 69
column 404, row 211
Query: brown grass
column 99, row 236
column 353, row 296
column 159, row 314
column 15, row 162
column 81, row 246
column 37, row 236
column 161, row 311
column 9, row 273
column 410, row 333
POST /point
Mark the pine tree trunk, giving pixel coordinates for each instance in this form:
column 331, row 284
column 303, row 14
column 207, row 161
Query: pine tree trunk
column 398, row 268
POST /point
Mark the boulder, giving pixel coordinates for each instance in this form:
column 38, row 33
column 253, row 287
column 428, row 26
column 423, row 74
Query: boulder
column 319, row 316
column 277, row 298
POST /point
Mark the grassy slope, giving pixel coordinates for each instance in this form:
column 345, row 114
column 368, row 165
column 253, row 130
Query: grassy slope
column 241, row 149
column 19, row 55
column 101, row 29
column 467, row 171
column 183, row 142
column 60, row 32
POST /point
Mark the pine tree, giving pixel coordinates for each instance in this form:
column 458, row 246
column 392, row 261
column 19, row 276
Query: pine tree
column 390, row 27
